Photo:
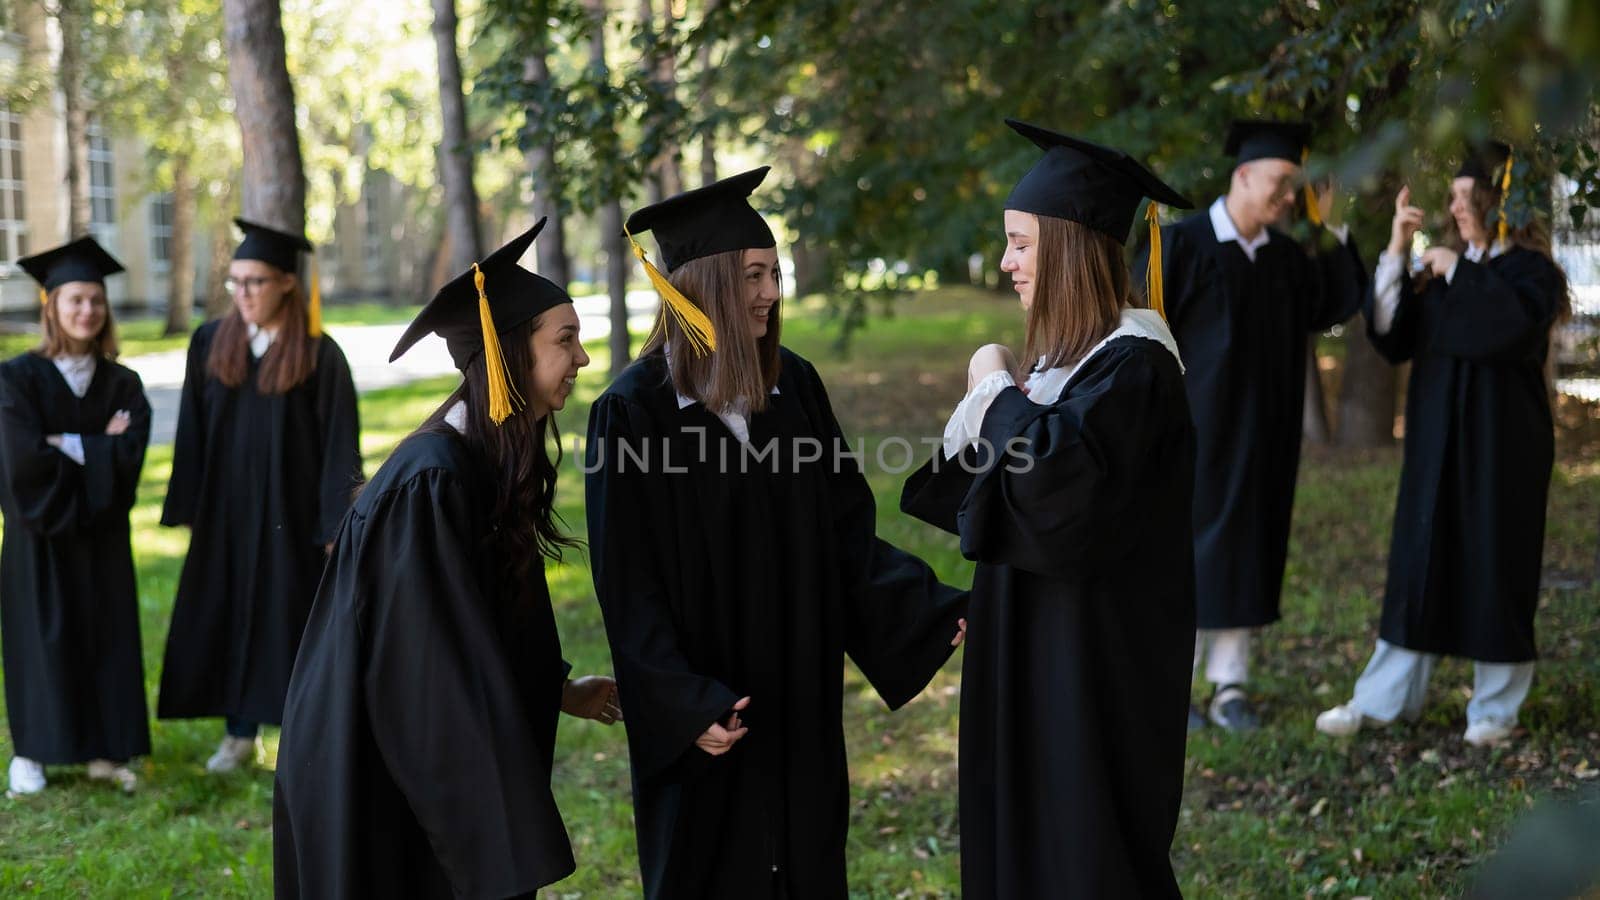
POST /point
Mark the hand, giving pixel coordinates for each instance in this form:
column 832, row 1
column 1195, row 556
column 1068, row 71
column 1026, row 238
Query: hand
column 119, row 423
column 592, row 697
column 1439, row 260
column 988, row 359
column 1407, row 222
column 1325, row 201
column 53, row 440
column 717, row 739
column 961, row 633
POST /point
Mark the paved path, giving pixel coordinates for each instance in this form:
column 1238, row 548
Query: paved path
column 367, row 347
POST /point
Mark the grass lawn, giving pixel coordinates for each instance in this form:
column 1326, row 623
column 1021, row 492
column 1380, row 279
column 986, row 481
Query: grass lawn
column 1398, row 813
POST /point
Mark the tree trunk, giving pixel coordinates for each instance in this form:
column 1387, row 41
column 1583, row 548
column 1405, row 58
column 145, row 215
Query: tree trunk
column 1367, row 396
column 273, row 178
column 72, row 17
column 1314, row 420
column 617, row 285
column 218, row 302
column 455, row 154
column 707, row 100
column 180, row 271
column 671, row 162
column 541, row 159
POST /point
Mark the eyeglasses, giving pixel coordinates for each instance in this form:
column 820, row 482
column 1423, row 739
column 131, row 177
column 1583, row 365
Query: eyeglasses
column 251, row 286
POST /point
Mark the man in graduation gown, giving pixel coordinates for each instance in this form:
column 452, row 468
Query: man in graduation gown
column 1242, row 298
column 722, row 576
column 69, row 604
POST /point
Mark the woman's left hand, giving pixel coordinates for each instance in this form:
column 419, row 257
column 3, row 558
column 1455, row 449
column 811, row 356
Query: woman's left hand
column 1440, row 260
column 961, row 633
column 592, row 697
column 989, row 359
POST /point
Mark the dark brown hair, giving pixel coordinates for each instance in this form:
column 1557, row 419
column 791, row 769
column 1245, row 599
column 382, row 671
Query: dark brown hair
column 1534, row 236
column 290, row 360
column 1081, row 286
column 53, row 343
column 741, row 373
column 525, row 524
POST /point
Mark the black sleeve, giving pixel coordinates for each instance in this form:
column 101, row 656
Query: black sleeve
column 1338, row 282
column 443, row 704
column 901, row 619
column 1399, row 343
column 43, row 488
column 341, row 439
column 667, row 704
column 112, row 461
column 189, row 444
column 1498, row 313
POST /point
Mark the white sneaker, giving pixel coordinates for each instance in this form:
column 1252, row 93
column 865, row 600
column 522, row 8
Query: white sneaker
column 120, row 775
column 231, row 754
column 26, row 776
column 1340, row 721
column 1487, row 733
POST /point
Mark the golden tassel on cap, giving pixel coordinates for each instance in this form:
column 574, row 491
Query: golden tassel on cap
column 1505, row 191
column 503, row 397
column 1313, row 212
column 1153, row 286
column 692, row 319
column 314, row 304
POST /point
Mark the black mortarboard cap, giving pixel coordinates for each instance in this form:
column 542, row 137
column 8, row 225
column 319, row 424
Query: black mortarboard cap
column 1096, row 186
column 1485, row 162
column 1250, row 140
column 706, row 221
column 271, row 246
column 513, row 294
column 80, row 260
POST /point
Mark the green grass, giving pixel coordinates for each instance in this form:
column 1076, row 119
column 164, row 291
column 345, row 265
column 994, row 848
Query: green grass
column 1398, row 813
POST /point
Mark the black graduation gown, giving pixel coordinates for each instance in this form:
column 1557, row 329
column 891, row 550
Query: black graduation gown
column 1242, row 327
column 1469, row 521
column 263, row 480
column 1075, row 682
column 421, row 720
column 721, row 584
column 69, row 605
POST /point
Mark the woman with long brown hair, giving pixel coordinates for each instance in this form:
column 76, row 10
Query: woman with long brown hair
column 734, row 556
column 263, row 466
column 419, row 733
column 73, row 430
column 1465, row 557
column 1071, row 489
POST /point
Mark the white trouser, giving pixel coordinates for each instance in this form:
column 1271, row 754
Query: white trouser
column 1396, row 683
column 1226, row 652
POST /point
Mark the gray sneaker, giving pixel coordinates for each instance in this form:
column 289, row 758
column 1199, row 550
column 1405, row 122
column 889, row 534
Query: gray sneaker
column 1231, row 709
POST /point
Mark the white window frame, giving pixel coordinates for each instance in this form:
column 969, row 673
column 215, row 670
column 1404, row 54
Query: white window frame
column 13, row 202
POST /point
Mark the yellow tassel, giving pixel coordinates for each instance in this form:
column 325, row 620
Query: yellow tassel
column 314, row 305
column 1312, row 211
column 1505, row 191
column 1152, row 273
column 692, row 319
column 503, row 397
column 44, row 297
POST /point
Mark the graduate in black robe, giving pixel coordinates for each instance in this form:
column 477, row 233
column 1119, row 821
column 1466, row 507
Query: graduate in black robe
column 263, row 468
column 420, row 727
column 1465, row 558
column 736, row 568
column 1073, row 498
column 73, row 430
column 1242, row 298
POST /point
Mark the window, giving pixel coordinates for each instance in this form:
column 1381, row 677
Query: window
column 372, row 236
column 102, row 189
column 161, row 211
column 13, row 215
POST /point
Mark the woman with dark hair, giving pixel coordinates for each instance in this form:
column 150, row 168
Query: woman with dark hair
column 263, row 467
column 734, row 556
column 1072, row 492
column 73, row 430
column 1464, row 562
column 420, row 727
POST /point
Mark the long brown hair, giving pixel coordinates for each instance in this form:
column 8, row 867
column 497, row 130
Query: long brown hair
column 525, row 523
column 1081, row 286
column 1534, row 236
column 53, row 343
column 741, row 373
column 289, row 361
